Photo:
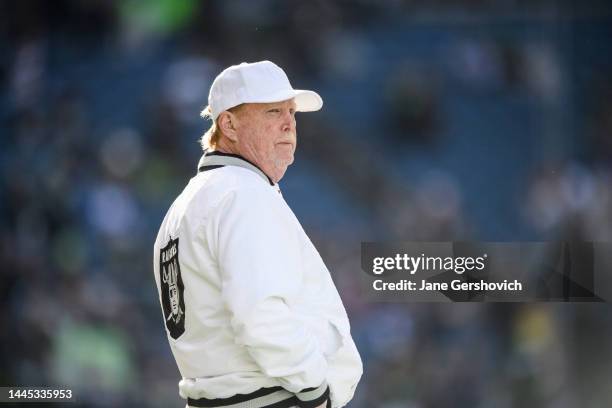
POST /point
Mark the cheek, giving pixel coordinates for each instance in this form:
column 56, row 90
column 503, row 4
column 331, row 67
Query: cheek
column 263, row 144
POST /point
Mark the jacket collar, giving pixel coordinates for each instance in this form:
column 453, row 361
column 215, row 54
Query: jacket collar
column 215, row 159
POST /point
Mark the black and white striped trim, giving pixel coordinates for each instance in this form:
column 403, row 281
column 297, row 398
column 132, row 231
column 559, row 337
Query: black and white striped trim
column 313, row 397
column 274, row 397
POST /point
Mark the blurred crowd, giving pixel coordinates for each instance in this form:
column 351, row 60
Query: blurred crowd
column 473, row 120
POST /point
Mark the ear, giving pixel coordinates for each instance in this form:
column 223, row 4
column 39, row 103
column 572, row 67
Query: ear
column 227, row 123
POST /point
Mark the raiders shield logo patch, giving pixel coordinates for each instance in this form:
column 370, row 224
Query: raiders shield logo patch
column 172, row 289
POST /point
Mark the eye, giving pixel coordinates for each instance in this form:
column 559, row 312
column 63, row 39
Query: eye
column 274, row 110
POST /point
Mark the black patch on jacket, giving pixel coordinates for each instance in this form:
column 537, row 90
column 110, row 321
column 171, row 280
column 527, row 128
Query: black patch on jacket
column 172, row 288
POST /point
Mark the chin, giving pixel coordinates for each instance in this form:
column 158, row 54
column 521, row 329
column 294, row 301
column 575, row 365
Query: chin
column 281, row 169
column 283, row 162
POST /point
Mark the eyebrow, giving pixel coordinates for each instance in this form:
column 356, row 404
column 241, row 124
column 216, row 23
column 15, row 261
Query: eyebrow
column 280, row 106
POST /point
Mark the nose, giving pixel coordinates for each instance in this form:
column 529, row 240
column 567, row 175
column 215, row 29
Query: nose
column 288, row 122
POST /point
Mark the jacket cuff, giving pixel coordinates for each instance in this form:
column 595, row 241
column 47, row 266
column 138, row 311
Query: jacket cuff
column 313, row 397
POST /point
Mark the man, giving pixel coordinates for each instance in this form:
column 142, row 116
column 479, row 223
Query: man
column 252, row 315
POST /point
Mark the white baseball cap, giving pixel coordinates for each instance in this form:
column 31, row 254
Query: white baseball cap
column 257, row 82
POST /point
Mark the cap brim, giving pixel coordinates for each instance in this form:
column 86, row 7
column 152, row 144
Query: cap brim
column 307, row 101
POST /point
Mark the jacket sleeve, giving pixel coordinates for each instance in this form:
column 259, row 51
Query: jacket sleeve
column 258, row 251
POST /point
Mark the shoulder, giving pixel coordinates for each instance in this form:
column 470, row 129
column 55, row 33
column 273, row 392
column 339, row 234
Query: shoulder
column 231, row 180
column 238, row 178
column 230, row 184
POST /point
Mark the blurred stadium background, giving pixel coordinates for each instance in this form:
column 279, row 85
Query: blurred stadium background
column 473, row 119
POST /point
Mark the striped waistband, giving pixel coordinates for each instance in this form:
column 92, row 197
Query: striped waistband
column 274, row 397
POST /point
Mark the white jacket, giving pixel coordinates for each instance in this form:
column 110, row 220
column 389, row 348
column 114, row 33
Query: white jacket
column 247, row 300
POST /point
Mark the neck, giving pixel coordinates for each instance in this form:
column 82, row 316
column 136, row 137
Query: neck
column 229, row 148
column 225, row 147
